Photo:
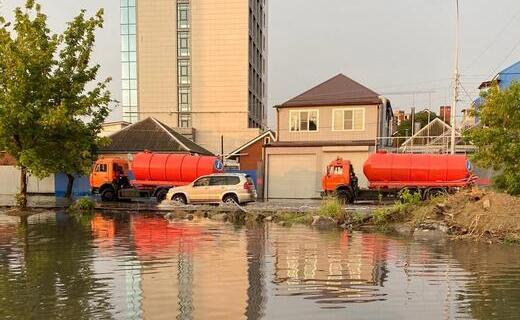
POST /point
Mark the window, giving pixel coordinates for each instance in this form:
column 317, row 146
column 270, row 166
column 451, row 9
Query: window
column 202, row 182
column 183, row 44
column 303, row 120
column 185, row 121
column 184, row 71
column 352, row 119
column 184, row 99
column 183, row 16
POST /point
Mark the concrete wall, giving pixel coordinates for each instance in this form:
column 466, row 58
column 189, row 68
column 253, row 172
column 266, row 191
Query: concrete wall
column 325, row 125
column 10, row 178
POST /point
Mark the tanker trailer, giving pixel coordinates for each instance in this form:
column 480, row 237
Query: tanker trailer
column 153, row 174
column 428, row 174
column 389, row 173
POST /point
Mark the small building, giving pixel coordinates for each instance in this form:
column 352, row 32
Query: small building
column 249, row 158
column 109, row 128
column 152, row 135
column 503, row 80
column 338, row 118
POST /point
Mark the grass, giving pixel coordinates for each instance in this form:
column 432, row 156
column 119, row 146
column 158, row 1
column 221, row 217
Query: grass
column 400, row 211
column 331, row 208
column 295, row 217
column 512, row 239
column 82, row 205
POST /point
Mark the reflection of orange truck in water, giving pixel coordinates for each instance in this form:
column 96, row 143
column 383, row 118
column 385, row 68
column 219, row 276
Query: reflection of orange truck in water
column 153, row 174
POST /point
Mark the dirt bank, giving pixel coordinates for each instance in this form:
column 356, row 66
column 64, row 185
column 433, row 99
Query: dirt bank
column 477, row 214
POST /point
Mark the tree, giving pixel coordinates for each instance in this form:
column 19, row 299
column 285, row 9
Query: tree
column 26, row 62
column 497, row 137
column 73, row 126
column 49, row 120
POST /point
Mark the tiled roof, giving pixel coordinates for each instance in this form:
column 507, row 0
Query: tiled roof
column 339, row 90
column 153, row 135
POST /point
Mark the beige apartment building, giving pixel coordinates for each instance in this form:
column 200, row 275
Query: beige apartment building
column 338, row 118
column 198, row 66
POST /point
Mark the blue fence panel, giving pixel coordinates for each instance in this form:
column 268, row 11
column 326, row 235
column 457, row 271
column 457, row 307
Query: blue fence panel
column 81, row 186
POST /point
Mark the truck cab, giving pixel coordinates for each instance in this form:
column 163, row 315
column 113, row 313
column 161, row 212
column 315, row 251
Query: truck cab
column 107, row 176
column 340, row 181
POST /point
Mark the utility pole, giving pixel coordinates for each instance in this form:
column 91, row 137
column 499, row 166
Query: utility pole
column 455, row 79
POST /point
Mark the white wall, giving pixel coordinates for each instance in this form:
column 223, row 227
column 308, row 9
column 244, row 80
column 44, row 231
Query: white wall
column 10, row 182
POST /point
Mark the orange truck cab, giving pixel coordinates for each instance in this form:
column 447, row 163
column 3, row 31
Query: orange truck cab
column 108, row 175
column 340, row 181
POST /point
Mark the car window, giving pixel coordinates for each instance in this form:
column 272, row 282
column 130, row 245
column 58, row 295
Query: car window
column 232, row 181
column 202, row 182
column 217, row 181
column 250, row 180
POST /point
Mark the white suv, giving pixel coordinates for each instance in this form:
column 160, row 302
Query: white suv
column 216, row 188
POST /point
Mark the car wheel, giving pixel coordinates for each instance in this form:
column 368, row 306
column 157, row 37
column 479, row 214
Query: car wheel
column 179, row 198
column 230, row 199
column 108, row 195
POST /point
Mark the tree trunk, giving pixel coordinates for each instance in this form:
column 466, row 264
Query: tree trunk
column 70, row 185
column 21, row 200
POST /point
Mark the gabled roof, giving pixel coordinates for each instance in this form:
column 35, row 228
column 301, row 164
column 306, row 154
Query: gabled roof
column 264, row 135
column 337, row 91
column 153, row 135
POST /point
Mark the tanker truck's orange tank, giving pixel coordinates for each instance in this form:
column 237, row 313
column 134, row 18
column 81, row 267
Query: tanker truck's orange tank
column 177, row 169
column 389, row 170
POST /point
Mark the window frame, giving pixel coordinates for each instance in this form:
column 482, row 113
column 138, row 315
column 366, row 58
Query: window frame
column 299, row 111
column 353, row 109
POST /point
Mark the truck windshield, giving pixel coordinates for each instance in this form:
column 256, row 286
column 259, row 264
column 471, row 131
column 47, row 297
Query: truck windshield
column 338, row 171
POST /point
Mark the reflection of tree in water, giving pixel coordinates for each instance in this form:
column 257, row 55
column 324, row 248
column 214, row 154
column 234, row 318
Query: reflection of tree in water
column 52, row 274
column 493, row 290
column 255, row 271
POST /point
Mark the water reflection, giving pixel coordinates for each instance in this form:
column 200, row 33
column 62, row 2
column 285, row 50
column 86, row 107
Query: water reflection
column 123, row 266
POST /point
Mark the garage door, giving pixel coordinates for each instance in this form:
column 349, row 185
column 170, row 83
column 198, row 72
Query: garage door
column 292, row 177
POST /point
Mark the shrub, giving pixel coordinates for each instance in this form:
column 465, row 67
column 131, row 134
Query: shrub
column 331, row 208
column 84, row 204
column 407, row 197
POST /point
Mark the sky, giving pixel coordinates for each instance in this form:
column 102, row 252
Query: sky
column 402, row 49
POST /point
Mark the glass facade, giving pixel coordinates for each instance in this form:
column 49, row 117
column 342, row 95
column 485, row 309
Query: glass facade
column 257, row 64
column 184, row 64
column 129, row 61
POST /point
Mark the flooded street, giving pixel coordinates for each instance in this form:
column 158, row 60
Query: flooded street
column 53, row 266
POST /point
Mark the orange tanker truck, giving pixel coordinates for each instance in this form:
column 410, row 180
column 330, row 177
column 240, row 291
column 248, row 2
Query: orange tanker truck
column 389, row 173
column 148, row 174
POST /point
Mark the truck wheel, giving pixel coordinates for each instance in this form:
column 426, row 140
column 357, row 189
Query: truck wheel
column 161, row 195
column 179, row 198
column 108, row 195
column 345, row 196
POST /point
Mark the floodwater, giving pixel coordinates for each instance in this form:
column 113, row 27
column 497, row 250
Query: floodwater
column 53, row 266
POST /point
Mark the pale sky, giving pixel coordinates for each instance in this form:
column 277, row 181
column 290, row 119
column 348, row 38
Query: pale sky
column 394, row 47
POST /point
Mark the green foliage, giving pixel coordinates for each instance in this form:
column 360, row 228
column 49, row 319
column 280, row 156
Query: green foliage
column 295, row 218
column 85, row 204
column 358, row 218
column 50, row 111
column 497, row 137
column 331, row 208
column 408, row 198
